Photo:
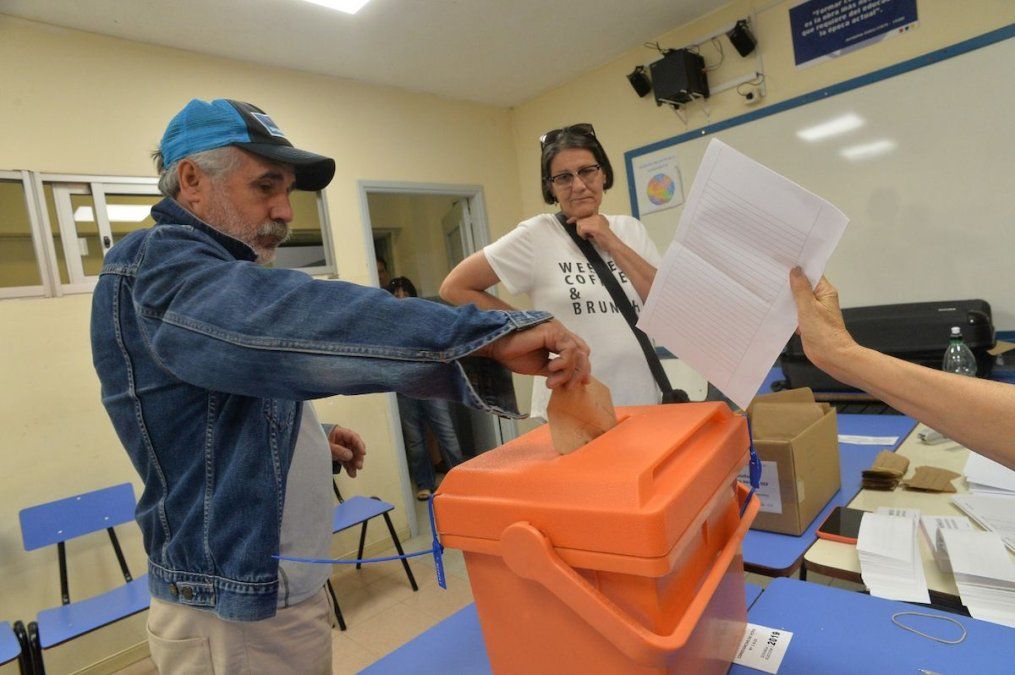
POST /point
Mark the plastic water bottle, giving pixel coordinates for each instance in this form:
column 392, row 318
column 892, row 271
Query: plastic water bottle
column 958, row 357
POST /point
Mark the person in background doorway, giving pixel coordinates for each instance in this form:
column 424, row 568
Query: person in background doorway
column 383, row 276
column 539, row 258
column 207, row 358
column 977, row 413
column 418, row 414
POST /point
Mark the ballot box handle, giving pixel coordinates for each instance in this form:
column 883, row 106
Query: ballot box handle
column 531, row 555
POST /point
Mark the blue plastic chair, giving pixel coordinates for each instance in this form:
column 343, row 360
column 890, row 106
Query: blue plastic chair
column 59, row 521
column 14, row 645
column 359, row 510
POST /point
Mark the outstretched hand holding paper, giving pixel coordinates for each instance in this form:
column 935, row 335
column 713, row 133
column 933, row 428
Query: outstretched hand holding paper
column 721, row 300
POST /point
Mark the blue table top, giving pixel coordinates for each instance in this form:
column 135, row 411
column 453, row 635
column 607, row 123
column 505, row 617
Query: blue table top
column 781, row 554
column 838, row 631
column 455, row 645
column 834, row 631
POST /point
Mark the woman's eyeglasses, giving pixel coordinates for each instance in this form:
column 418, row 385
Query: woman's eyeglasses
column 587, row 174
column 582, row 129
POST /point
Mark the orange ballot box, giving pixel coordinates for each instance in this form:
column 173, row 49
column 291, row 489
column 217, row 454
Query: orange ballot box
column 621, row 557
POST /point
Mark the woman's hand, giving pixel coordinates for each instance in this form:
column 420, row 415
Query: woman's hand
column 823, row 333
column 597, row 229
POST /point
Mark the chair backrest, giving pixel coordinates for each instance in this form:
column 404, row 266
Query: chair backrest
column 63, row 519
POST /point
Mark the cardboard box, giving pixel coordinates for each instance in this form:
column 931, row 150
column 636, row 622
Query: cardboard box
column 797, row 441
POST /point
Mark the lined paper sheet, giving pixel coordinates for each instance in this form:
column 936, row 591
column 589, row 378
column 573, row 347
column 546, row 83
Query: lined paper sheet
column 721, row 299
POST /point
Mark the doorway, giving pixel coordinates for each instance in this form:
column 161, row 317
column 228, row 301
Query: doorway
column 421, row 231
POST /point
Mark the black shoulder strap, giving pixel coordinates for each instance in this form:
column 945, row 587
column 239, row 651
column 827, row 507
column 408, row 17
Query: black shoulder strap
column 620, row 299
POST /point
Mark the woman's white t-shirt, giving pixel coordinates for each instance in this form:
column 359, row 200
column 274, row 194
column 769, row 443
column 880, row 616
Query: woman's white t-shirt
column 540, row 259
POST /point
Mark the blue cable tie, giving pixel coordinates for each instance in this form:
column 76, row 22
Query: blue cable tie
column 754, row 467
column 436, row 550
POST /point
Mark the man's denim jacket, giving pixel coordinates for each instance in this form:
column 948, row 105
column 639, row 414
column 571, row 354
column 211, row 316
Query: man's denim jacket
column 205, row 357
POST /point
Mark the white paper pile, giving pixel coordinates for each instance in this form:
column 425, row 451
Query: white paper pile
column 890, row 561
column 984, row 574
column 991, row 512
column 931, row 525
column 986, row 476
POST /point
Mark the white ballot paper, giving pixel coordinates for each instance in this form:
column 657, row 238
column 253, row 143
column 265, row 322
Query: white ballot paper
column 721, row 299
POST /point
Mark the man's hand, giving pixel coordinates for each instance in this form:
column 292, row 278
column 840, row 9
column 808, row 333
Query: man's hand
column 824, row 335
column 597, row 229
column 528, row 352
column 347, row 448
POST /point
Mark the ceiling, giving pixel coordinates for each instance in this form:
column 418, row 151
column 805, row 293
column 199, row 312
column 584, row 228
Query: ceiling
column 499, row 52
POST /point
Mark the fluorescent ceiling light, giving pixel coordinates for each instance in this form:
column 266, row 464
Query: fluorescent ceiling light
column 117, row 213
column 347, row 6
column 833, row 127
column 867, row 150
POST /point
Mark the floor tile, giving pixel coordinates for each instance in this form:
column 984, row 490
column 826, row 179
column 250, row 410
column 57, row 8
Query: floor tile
column 389, row 629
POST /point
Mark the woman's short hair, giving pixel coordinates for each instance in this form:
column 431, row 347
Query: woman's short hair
column 569, row 139
column 403, row 284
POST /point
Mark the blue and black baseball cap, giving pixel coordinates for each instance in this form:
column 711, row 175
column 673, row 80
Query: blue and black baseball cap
column 203, row 125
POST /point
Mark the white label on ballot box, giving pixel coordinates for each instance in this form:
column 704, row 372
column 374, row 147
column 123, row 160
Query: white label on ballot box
column 768, row 493
column 763, row 648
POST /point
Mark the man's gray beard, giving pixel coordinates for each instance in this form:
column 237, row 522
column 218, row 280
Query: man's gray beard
column 223, row 217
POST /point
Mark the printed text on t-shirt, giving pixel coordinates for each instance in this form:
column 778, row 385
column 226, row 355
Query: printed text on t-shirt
column 577, row 274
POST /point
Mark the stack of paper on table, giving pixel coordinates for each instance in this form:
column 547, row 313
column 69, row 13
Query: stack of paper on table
column 890, row 561
column 931, row 525
column 986, row 476
column 984, row 574
column 991, row 512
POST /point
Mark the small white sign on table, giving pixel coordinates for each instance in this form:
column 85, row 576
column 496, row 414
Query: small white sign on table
column 763, row 648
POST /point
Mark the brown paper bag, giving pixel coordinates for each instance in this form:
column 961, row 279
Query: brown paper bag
column 932, row 479
column 886, row 471
column 579, row 414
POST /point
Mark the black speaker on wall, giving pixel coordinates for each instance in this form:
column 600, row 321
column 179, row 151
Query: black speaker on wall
column 679, row 77
column 639, row 81
column 742, row 38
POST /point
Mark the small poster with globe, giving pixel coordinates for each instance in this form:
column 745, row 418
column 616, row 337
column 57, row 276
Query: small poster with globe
column 657, row 181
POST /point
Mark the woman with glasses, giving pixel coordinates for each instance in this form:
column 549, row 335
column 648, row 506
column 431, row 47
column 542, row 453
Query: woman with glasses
column 539, row 258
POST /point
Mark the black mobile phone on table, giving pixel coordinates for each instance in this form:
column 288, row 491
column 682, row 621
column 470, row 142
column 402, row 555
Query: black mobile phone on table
column 842, row 525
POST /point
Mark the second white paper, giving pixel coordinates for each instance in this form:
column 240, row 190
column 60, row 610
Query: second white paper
column 721, row 299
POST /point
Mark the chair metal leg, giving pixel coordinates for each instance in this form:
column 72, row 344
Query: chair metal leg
column 338, row 611
column 362, row 541
column 35, row 649
column 25, row 657
column 398, row 547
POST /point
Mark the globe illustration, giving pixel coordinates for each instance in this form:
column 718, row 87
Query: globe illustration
column 660, row 189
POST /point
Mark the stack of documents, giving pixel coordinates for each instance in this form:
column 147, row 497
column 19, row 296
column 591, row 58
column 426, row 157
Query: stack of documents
column 890, row 561
column 984, row 574
column 986, row 476
column 931, row 525
column 991, row 512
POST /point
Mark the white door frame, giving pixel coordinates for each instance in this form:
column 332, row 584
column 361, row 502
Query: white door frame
column 478, row 238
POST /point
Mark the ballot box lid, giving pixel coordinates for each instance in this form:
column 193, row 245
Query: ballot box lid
column 634, row 491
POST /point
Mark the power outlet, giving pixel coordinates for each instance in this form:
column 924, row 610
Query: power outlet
column 753, row 95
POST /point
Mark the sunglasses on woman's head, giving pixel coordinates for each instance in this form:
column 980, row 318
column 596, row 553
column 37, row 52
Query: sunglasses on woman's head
column 582, row 129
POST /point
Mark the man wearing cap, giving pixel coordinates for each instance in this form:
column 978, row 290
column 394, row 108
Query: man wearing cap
column 205, row 358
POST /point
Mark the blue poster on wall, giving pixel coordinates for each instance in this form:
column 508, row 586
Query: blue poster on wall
column 824, row 29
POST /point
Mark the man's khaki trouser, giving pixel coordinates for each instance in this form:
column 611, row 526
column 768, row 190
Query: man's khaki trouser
column 187, row 640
